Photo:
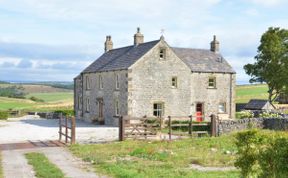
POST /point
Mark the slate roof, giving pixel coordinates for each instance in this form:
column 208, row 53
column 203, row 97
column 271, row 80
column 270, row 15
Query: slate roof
column 199, row 60
column 256, row 104
column 120, row 58
column 202, row 60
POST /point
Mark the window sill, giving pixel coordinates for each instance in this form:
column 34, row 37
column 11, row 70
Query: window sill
column 211, row 88
column 174, row 87
column 222, row 113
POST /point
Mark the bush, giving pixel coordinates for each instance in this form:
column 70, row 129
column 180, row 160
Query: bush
column 269, row 115
column 13, row 92
column 4, row 115
column 33, row 98
column 244, row 114
column 262, row 154
column 66, row 112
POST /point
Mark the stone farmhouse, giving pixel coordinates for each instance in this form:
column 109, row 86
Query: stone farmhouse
column 154, row 79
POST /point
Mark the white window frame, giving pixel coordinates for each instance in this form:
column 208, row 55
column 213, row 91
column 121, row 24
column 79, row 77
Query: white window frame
column 174, row 82
column 222, row 107
column 159, row 110
column 87, row 105
column 117, row 108
column 87, row 83
column 117, row 82
column 100, row 80
column 212, row 82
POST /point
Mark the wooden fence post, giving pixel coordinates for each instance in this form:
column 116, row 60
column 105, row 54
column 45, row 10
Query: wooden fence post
column 170, row 127
column 190, row 125
column 60, row 127
column 73, row 129
column 121, row 128
column 213, row 125
column 66, row 129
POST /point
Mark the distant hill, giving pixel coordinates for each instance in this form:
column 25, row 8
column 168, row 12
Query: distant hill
column 3, row 82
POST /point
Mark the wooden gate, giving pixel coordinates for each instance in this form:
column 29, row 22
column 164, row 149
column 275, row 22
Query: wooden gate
column 138, row 128
column 67, row 129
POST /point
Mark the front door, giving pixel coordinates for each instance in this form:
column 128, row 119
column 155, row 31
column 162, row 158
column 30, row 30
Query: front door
column 199, row 112
column 100, row 110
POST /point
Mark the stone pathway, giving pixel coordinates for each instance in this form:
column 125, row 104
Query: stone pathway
column 15, row 164
column 204, row 169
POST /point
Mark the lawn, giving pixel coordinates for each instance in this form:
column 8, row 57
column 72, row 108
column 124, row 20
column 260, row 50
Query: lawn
column 160, row 158
column 246, row 92
column 43, row 167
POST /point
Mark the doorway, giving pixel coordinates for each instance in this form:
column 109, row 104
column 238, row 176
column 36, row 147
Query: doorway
column 199, row 112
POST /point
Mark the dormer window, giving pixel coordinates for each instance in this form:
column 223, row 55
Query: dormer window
column 162, row 54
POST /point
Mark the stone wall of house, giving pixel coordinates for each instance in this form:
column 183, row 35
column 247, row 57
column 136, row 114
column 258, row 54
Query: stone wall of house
column 109, row 93
column 150, row 81
column 228, row 126
column 224, row 92
column 78, row 97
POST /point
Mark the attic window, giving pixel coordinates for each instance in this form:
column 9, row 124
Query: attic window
column 219, row 59
column 100, row 82
column 174, row 82
column 87, row 83
column 162, row 54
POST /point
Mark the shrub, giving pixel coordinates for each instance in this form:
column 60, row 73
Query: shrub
column 12, row 92
column 3, row 115
column 269, row 115
column 66, row 112
column 262, row 154
column 33, row 98
column 244, row 114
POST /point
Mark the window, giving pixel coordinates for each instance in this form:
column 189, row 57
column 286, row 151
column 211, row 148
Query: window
column 87, row 83
column 222, row 108
column 212, row 82
column 117, row 109
column 174, row 82
column 79, row 101
column 100, row 82
column 117, row 84
column 87, row 105
column 162, row 54
column 158, row 109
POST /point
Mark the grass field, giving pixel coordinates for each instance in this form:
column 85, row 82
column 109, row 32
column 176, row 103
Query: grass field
column 54, row 98
column 246, row 92
column 160, row 158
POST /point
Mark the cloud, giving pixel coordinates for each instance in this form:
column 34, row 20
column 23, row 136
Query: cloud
column 25, row 64
column 268, row 3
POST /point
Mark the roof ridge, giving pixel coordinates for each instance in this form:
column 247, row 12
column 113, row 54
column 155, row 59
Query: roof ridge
column 191, row 48
column 133, row 45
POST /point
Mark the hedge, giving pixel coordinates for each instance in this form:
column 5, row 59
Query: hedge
column 4, row 115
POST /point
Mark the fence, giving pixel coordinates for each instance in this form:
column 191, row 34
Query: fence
column 143, row 128
column 67, row 129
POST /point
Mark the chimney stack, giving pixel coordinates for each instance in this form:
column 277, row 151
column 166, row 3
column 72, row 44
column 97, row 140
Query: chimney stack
column 214, row 45
column 138, row 37
column 108, row 44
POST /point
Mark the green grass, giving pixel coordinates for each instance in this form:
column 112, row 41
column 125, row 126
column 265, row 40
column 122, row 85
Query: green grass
column 43, row 167
column 246, row 92
column 160, row 158
column 53, row 97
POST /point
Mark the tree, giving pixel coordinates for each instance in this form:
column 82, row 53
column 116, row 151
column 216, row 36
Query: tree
column 271, row 64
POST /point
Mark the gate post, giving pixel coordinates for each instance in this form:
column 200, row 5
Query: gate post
column 66, row 129
column 121, row 128
column 73, row 129
column 170, row 127
column 60, row 127
column 213, row 125
column 190, row 125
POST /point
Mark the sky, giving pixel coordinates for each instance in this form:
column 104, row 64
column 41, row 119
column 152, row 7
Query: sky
column 54, row 40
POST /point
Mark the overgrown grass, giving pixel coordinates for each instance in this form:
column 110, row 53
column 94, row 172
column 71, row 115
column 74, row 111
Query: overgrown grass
column 246, row 92
column 160, row 158
column 43, row 167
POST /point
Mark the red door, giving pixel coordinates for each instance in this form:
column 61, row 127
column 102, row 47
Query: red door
column 199, row 112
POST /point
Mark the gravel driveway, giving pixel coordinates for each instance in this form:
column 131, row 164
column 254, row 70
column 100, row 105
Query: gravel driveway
column 34, row 128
